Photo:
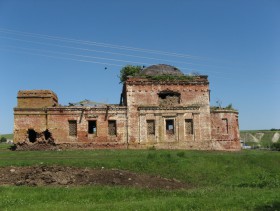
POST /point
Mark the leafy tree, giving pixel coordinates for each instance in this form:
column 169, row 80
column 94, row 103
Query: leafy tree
column 3, row 139
column 129, row 70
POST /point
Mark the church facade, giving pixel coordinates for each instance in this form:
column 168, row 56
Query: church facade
column 161, row 108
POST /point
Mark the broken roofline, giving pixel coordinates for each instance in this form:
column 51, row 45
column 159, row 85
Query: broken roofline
column 37, row 93
column 75, row 108
column 223, row 110
column 168, row 79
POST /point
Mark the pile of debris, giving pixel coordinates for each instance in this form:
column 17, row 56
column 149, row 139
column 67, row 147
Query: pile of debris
column 38, row 145
column 71, row 176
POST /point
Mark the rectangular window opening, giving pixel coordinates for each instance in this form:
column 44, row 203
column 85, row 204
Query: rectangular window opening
column 72, row 128
column 112, row 127
column 169, row 126
column 151, row 127
column 189, row 126
column 92, row 128
column 225, row 125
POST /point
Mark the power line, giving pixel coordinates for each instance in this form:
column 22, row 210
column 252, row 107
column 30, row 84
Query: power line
column 107, row 52
column 91, row 50
column 106, row 45
column 84, row 49
column 95, row 57
column 78, row 55
column 84, row 56
column 65, row 58
column 106, row 63
column 85, row 61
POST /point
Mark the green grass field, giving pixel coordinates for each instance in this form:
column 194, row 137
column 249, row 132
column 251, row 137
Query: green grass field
column 246, row 180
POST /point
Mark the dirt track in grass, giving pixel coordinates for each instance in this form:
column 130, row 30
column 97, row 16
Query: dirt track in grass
column 70, row 176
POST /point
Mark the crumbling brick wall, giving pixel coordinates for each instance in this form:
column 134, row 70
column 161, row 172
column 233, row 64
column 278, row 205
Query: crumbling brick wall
column 190, row 100
column 38, row 111
column 25, row 119
column 165, row 114
column 59, row 124
column 225, row 129
column 36, row 99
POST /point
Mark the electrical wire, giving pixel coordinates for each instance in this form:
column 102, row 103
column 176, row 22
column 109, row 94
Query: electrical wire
column 106, row 45
column 106, row 52
column 61, row 39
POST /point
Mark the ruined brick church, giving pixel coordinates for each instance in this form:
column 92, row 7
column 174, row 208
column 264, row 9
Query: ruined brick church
column 160, row 107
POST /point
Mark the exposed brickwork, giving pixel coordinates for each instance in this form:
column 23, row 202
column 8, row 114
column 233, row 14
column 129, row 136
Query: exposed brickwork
column 143, row 99
column 57, row 119
column 165, row 114
column 225, row 130
column 36, row 99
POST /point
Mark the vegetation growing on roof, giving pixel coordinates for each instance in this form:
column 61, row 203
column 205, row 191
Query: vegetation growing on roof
column 129, row 70
column 229, row 107
column 167, row 77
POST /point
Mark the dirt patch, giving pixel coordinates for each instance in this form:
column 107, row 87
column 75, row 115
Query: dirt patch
column 70, row 176
column 50, row 145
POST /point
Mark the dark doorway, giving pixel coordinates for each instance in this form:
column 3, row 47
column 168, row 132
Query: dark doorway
column 47, row 134
column 32, row 135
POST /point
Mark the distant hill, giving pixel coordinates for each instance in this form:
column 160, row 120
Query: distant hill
column 7, row 136
column 260, row 138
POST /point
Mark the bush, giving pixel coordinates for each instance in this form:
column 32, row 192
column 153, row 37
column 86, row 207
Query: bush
column 3, row 140
column 127, row 71
column 276, row 146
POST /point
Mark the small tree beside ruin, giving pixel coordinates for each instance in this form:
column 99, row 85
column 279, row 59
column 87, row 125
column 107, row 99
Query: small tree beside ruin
column 129, row 70
column 3, row 140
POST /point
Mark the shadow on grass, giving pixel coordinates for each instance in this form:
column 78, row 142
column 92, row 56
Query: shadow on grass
column 269, row 207
column 13, row 147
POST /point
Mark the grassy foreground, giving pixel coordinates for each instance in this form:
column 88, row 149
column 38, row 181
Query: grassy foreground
column 246, row 180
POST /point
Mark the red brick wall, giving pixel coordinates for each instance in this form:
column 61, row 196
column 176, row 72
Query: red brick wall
column 39, row 110
column 227, row 137
column 56, row 120
column 144, row 93
column 28, row 119
column 59, row 125
column 36, row 99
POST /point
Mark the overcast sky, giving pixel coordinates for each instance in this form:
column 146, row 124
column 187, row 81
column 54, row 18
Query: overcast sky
column 76, row 48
